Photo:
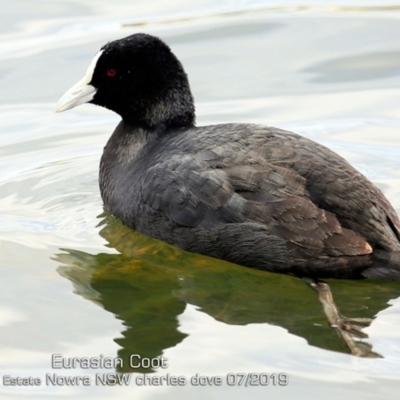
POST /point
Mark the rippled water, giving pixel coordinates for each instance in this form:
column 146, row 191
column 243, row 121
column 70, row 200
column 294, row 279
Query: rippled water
column 78, row 283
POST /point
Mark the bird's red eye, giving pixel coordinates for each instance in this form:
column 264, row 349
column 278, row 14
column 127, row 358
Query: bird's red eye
column 111, row 73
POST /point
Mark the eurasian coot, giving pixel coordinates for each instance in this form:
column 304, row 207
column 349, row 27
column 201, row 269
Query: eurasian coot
column 254, row 195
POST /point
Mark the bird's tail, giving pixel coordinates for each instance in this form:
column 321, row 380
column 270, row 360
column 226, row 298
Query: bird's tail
column 386, row 265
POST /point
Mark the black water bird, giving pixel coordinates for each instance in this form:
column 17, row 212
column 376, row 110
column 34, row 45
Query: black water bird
column 254, row 195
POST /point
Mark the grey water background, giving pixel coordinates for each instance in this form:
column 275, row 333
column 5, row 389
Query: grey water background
column 77, row 284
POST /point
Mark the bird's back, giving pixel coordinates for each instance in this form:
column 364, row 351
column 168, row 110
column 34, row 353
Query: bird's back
column 254, row 195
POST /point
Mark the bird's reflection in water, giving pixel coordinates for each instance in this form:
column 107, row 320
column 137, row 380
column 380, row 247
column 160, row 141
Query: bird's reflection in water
column 149, row 283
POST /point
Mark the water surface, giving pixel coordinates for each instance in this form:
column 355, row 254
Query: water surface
column 77, row 282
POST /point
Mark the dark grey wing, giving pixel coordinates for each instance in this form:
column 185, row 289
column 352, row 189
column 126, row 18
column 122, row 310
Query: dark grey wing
column 191, row 195
column 192, row 192
column 334, row 185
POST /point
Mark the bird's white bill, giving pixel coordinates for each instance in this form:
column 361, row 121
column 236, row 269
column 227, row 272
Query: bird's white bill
column 78, row 94
column 82, row 92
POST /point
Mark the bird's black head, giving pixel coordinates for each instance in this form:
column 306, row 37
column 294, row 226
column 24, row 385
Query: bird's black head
column 139, row 78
